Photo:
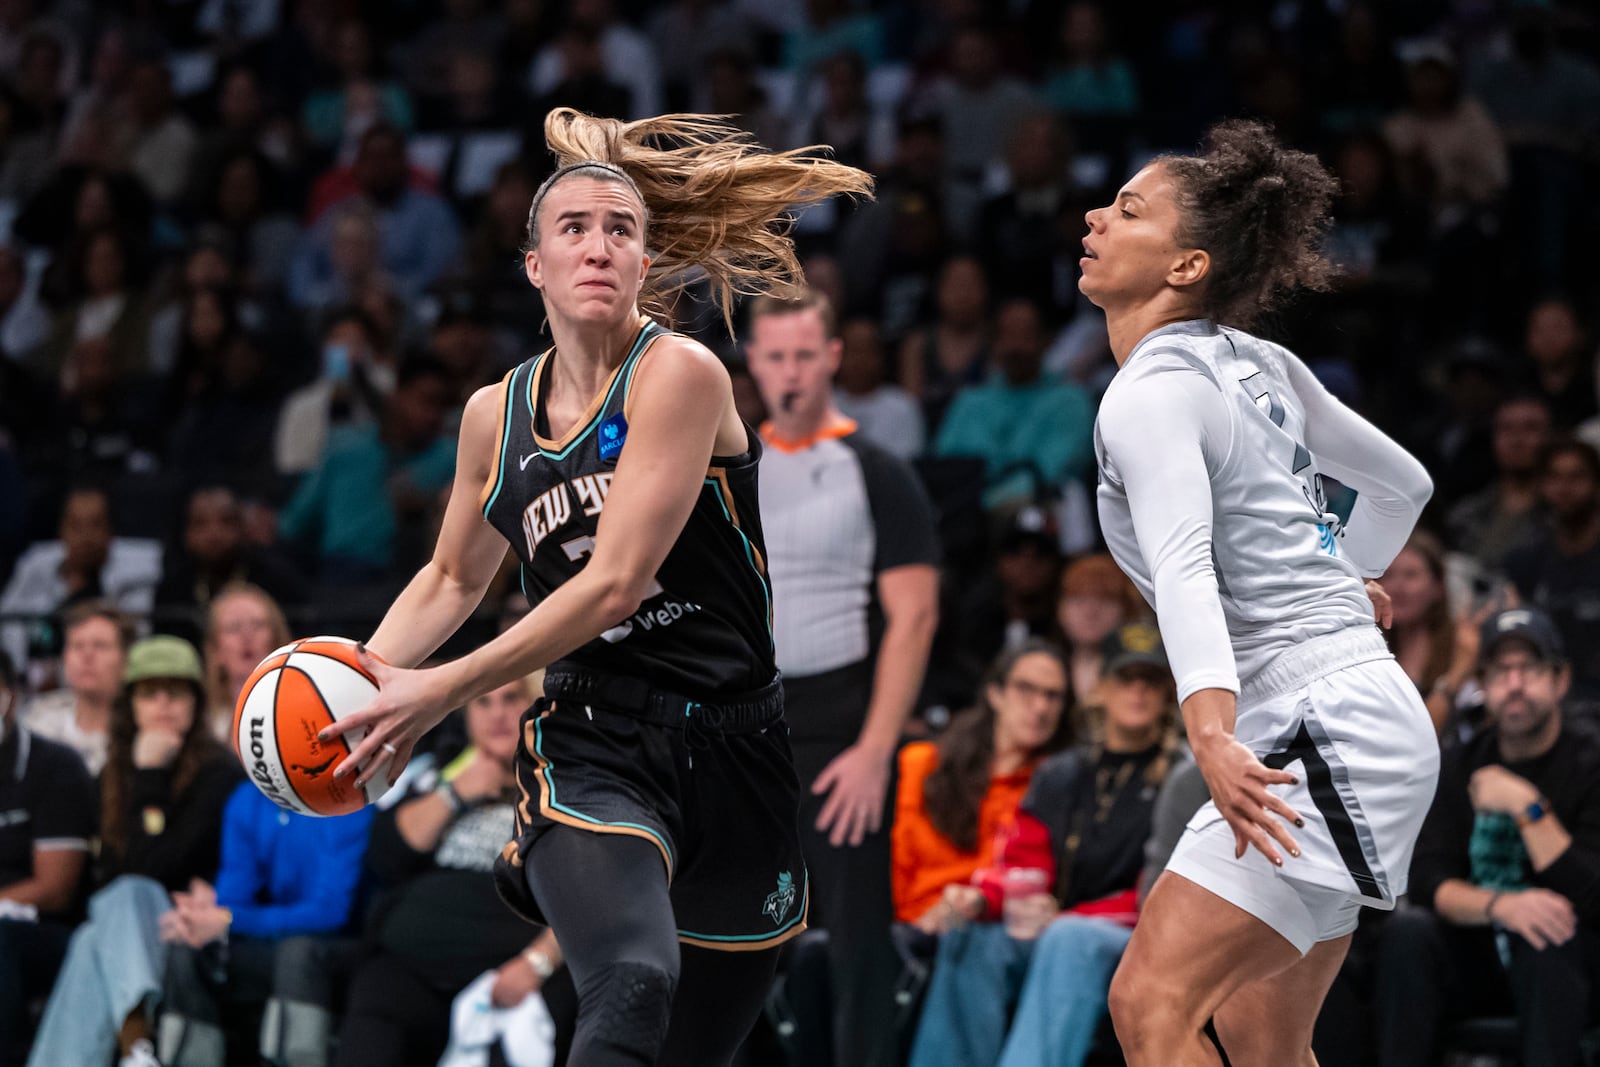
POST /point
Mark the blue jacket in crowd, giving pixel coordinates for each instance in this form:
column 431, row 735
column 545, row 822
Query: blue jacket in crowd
column 285, row 874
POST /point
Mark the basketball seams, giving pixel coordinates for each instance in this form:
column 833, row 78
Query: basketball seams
column 289, row 690
column 277, row 742
column 259, row 769
column 273, row 661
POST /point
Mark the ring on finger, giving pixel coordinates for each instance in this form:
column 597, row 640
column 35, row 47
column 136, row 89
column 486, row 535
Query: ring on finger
column 390, row 749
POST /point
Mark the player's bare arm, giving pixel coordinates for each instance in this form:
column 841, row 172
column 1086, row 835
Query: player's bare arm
column 450, row 586
column 683, row 411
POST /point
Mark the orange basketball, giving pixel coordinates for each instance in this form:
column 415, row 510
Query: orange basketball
column 293, row 694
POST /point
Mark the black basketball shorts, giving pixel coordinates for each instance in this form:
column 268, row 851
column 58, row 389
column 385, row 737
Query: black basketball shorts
column 712, row 787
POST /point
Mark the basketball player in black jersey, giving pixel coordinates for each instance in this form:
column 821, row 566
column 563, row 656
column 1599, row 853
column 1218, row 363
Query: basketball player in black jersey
column 656, row 833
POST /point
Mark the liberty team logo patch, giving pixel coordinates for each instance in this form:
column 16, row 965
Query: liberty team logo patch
column 780, row 900
column 613, row 432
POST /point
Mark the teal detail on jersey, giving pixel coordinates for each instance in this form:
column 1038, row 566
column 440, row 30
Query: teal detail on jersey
column 649, row 330
column 796, row 919
column 550, row 785
column 627, row 380
column 505, row 443
column 749, row 551
column 1325, row 539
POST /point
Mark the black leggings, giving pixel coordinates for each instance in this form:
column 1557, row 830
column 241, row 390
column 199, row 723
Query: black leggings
column 642, row 999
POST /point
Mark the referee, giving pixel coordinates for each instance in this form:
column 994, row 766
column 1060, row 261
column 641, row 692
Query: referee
column 853, row 556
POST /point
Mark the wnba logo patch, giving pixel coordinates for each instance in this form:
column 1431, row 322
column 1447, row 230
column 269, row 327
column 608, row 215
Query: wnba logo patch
column 780, row 900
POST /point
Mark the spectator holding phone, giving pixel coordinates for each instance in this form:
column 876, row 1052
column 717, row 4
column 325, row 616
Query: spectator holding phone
column 374, row 478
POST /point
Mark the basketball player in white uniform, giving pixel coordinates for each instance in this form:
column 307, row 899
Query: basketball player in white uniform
column 1214, row 449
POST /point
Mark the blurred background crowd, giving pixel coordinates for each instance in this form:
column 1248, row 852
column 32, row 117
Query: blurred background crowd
column 256, row 254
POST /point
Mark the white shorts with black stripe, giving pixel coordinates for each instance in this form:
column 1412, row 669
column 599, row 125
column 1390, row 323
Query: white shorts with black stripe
column 1339, row 714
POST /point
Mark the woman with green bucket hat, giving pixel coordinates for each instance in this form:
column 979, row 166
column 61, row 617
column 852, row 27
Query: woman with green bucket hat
column 162, row 794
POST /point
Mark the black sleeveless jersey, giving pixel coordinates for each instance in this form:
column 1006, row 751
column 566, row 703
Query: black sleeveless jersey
column 704, row 629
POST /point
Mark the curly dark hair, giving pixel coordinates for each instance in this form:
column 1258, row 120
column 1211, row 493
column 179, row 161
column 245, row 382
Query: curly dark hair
column 953, row 792
column 1259, row 209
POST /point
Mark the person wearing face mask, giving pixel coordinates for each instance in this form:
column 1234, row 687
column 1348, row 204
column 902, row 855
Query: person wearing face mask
column 355, row 376
column 47, row 819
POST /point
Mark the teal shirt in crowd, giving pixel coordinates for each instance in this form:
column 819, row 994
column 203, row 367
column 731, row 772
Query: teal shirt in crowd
column 344, row 503
column 1107, row 89
column 1049, row 423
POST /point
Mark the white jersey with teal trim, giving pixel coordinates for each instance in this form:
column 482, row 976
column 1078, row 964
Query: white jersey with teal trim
column 1216, row 451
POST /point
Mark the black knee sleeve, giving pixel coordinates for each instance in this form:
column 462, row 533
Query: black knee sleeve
column 624, row 1009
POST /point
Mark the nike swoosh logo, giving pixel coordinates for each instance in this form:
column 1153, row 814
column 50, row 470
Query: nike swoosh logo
column 526, row 460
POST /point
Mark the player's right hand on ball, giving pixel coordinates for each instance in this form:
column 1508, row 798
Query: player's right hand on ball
column 409, row 704
column 1238, row 783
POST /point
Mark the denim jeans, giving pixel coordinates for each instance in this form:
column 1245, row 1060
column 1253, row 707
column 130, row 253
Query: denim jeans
column 1057, row 985
column 115, row 962
column 1064, row 995
column 977, row 976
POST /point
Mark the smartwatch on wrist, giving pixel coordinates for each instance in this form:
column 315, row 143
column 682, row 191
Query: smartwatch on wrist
column 1533, row 813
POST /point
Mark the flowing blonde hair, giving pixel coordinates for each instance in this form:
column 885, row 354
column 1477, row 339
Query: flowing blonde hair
column 714, row 198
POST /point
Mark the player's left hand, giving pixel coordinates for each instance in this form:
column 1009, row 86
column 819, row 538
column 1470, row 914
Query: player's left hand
column 1238, row 782
column 409, row 704
column 856, row 782
column 1382, row 606
column 1495, row 789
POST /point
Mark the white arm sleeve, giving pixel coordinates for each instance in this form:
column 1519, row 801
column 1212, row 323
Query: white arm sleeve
column 1164, row 434
column 1392, row 486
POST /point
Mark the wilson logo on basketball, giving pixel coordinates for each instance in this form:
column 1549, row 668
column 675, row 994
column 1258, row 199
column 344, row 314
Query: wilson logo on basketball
column 260, row 773
column 295, row 693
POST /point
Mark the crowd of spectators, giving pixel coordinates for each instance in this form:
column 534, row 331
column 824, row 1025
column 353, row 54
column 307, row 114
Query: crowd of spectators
column 254, row 257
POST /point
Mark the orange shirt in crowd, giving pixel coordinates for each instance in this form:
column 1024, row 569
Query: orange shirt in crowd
column 925, row 861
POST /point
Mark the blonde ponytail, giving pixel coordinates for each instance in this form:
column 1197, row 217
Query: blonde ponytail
column 716, row 200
